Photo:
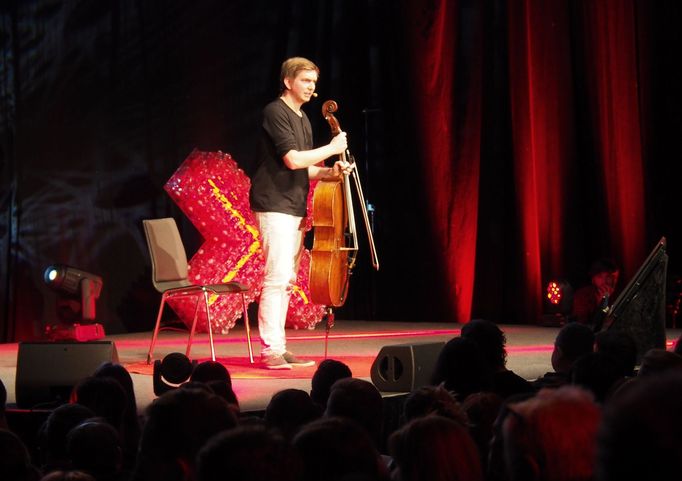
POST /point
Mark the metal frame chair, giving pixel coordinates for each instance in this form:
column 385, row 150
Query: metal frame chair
column 170, row 278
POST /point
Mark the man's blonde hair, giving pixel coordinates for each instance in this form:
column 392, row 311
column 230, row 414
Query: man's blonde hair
column 291, row 67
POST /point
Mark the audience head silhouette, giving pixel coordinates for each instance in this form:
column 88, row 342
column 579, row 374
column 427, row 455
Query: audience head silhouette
column 95, row 447
column 552, row 436
column 433, row 400
column 289, row 410
column 105, row 397
column 574, row 340
column 327, row 373
column 641, row 436
column 597, row 372
column 434, row 448
column 210, row 371
column 15, row 461
column 490, row 340
column 248, row 453
column 621, row 347
column 657, row 361
column 178, row 423
column 54, row 432
column 337, row 449
column 461, row 369
column 360, row 401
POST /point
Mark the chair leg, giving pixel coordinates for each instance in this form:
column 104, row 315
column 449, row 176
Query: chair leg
column 209, row 325
column 156, row 329
column 248, row 328
column 190, row 339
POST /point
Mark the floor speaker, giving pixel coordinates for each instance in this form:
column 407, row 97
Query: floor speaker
column 405, row 367
column 47, row 371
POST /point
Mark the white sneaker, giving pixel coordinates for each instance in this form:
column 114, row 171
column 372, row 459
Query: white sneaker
column 275, row 362
column 294, row 361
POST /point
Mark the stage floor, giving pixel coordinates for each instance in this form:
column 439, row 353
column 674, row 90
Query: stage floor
column 356, row 343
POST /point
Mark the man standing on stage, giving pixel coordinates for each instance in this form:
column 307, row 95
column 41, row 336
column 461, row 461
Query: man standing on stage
column 278, row 196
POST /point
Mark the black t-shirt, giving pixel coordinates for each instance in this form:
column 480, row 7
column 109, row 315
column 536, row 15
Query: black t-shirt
column 275, row 187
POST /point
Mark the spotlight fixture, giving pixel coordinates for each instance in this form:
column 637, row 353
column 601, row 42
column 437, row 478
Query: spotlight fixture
column 75, row 284
column 174, row 370
column 558, row 301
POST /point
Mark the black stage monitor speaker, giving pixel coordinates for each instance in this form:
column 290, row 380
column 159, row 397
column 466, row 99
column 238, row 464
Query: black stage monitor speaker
column 405, row 367
column 47, row 371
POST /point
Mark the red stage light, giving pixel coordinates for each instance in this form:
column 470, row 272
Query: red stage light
column 558, row 303
column 554, row 292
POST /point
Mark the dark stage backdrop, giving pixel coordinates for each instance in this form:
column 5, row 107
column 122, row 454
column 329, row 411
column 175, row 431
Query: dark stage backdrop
column 502, row 143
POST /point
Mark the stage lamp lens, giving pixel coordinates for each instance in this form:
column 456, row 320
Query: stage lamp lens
column 50, row 274
column 558, row 296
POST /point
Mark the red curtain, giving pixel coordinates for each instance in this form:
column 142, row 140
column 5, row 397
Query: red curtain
column 612, row 58
column 540, row 83
column 542, row 66
column 448, row 110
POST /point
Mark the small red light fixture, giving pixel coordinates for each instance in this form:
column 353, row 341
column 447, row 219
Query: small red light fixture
column 558, row 302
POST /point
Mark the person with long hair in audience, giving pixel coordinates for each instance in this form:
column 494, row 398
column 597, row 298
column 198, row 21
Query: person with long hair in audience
column 492, row 341
column 15, row 460
column 336, row 449
column 461, row 369
column 248, row 453
column 434, row 448
column 178, row 423
column 552, row 436
column 130, row 428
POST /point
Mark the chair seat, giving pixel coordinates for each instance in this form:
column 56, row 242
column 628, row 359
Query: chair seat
column 228, row 288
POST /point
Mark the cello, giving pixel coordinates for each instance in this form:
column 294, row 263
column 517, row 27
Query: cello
column 335, row 244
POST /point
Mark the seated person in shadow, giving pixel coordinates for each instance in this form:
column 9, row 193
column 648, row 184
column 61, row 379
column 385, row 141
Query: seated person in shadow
column 552, row 436
column 218, row 378
column 178, row 423
column 53, row 434
column 460, row 368
column 208, row 371
column 15, row 460
column 436, row 400
column 361, row 401
column 338, row 448
column 327, row 373
column 248, row 453
column 95, row 447
column 482, row 410
column 590, row 301
column 494, row 466
column 573, row 341
column 492, row 343
column 598, row 373
column 657, row 361
column 289, row 410
column 641, row 433
column 434, row 448
column 131, row 423
column 620, row 346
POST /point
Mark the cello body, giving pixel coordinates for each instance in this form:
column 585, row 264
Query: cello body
column 335, row 243
column 329, row 271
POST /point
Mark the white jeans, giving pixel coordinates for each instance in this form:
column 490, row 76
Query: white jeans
column 282, row 241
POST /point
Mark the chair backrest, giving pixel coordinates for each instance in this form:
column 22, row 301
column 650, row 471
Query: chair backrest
column 169, row 260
